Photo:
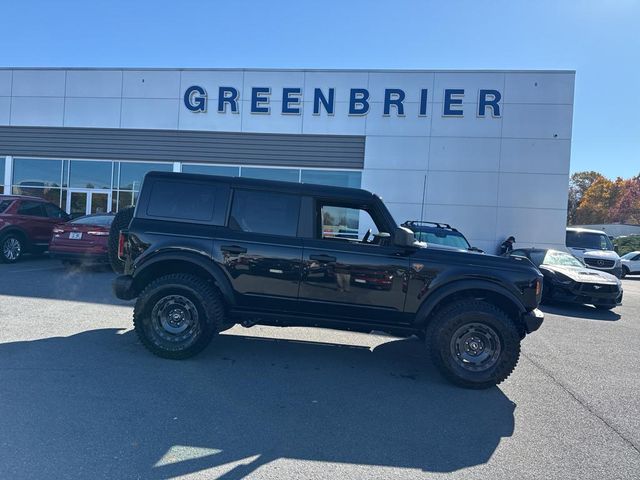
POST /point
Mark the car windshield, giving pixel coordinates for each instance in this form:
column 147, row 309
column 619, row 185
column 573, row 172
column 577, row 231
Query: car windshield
column 443, row 237
column 628, row 256
column 101, row 220
column 589, row 240
column 554, row 257
column 4, row 204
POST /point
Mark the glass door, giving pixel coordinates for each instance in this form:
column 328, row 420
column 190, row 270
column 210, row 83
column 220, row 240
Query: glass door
column 86, row 201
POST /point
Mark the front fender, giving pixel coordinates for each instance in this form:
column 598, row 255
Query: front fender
column 459, row 286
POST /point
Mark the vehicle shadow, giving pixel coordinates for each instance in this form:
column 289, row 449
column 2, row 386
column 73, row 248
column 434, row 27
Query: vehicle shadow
column 47, row 278
column 580, row 311
column 97, row 404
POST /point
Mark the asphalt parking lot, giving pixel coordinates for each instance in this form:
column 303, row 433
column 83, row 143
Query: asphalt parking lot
column 81, row 398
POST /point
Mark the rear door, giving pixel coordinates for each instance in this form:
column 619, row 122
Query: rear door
column 349, row 277
column 261, row 251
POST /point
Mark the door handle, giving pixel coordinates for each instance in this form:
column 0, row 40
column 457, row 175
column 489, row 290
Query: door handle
column 233, row 249
column 323, row 258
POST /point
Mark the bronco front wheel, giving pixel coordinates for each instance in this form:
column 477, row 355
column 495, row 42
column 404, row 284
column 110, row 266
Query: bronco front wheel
column 177, row 315
column 474, row 344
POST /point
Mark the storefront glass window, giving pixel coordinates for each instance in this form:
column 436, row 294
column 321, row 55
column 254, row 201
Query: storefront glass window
column 84, row 174
column 50, row 194
column 2, row 175
column 31, row 172
column 284, row 174
column 211, row 170
column 132, row 174
column 335, row 178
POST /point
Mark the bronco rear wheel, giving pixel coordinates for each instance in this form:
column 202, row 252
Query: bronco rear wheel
column 177, row 315
column 473, row 343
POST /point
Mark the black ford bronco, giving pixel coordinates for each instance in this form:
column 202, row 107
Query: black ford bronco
column 203, row 253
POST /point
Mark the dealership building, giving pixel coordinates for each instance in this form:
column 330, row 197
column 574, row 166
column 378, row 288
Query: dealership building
column 485, row 151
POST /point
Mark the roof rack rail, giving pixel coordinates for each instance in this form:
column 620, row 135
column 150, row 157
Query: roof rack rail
column 436, row 224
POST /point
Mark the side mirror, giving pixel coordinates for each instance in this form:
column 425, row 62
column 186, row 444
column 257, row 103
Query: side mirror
column 403, row 237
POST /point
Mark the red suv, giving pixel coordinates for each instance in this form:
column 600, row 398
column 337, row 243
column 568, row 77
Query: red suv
column 26, row 224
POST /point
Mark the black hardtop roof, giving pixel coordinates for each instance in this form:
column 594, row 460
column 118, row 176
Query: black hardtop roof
column 292, row 187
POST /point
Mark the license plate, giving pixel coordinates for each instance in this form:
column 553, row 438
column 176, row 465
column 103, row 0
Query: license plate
column 75, row 235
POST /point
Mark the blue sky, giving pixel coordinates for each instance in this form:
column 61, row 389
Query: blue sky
column 597, row 38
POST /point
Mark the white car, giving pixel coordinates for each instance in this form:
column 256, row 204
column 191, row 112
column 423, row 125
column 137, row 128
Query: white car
column 630, row 263
column 595, row 249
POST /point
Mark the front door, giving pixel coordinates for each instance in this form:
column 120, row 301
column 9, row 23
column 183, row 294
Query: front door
column 86, row 202
column 352, row 276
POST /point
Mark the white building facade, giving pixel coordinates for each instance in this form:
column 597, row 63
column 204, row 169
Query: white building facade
column 485, row 151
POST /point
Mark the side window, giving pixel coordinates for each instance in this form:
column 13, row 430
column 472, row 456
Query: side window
column 345, row 223
column 187, row 201
column 265, row 212
column 636, row 258
column 32, row 209
column 53, row 211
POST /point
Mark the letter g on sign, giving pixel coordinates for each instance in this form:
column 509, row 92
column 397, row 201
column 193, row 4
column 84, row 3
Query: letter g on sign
column 195, row 99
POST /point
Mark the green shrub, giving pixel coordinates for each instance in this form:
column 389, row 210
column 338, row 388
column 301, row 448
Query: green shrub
column 628, row 243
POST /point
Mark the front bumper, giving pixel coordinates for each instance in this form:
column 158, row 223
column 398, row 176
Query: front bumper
column 533, row 320
column 123, row 287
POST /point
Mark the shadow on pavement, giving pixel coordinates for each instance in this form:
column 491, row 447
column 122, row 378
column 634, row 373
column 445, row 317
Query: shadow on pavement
column 97, row 404
column 46, row 278
column 580, row 311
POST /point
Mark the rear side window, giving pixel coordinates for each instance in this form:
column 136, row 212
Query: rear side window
column 187, row 201
column 265, row 212
column 33, row 209
column 4, row 204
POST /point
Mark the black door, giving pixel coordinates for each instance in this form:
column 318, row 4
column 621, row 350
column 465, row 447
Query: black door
column 261, row 252
column 348, row 277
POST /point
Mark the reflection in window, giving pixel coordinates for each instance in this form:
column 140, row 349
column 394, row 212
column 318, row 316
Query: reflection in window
column 344, row 222
column 265, row 212
column 50, row 194
column 31, row 172
column 335, row 178
column 83, row 174
column 283, row 174
column 2, row 175
column 132, row 174
column 211, row 170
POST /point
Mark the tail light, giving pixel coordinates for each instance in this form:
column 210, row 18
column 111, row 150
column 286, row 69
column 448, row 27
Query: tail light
column 121, row 242
column 538, row 287
column 58, row 230
column 98, row 233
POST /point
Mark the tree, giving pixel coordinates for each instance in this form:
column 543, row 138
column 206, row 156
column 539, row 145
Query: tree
column 597, row 201
column 627, row 208
column 579, row 183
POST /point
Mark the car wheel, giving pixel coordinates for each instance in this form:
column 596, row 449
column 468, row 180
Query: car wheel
column 121, row 221
column 11, row 248
column 625, row 272
column 473, row 344
column 177, row 315
column 605, row 306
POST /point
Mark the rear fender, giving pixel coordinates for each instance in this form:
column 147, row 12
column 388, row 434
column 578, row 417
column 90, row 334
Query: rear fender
column 161, row 263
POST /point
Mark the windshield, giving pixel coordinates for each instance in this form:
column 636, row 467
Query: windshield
column 554, row 257
column 450, row 239
column 101, row 220
column 589, row 240
column 628, row 256
column 4, row 204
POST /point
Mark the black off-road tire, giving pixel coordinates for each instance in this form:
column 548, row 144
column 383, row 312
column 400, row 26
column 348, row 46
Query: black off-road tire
column 14, row 244
column 121, row 221
column 453, row 317
column 202, row 295
column 625, row 272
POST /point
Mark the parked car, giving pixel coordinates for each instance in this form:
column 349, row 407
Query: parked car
column 630, row 264
column 439, row 234
column 83, row 240
column 26, row 224
column 203, row 253
column 595, row 249
column 567, row 279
